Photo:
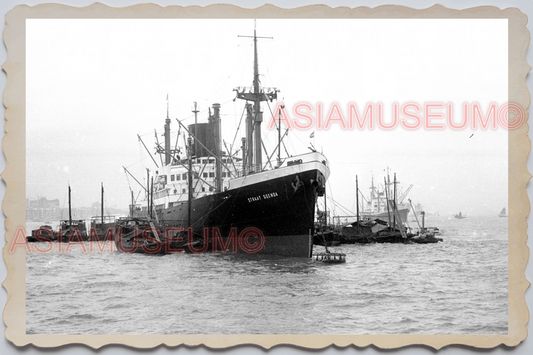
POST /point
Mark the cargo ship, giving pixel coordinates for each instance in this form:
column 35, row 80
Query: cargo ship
column 375, row 207
column 221, row 197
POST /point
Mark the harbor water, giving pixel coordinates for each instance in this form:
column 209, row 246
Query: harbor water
column 458, row 286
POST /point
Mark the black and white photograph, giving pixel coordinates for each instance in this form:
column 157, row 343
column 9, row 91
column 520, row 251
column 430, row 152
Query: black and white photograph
column 267, row 176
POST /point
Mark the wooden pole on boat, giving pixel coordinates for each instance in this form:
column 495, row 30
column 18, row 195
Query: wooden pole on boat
column 69, row 209
column 379, row 201
column 387, row 197
column 372, row 195
column 195, row 130
column 357, row 202
column 102, row 208
column 190, row 196
column 394, row 205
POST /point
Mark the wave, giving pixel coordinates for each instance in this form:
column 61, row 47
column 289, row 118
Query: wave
column 81, row 316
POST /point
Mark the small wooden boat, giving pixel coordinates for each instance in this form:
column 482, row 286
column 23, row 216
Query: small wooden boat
column 330, row 258
column 460, row 216
column 426, row 239
column 141, row 235
column 327, row 257
column 69, row 227
column 109, row 222
column 42, row 234
column 73, row 230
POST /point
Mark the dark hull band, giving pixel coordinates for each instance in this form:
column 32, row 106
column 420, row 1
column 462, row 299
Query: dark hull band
column 282, row 209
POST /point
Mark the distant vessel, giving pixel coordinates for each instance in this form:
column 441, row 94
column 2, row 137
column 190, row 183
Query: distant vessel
column 221, row 196
column 376, row 206
column 460, row 216
column 503, row 213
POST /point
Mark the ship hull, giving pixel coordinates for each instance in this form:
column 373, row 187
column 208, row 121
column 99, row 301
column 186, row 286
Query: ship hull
column 280, row 210
column 385, row 215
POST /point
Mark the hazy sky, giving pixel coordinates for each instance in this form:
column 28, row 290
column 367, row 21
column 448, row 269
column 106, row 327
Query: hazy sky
column 93, row 85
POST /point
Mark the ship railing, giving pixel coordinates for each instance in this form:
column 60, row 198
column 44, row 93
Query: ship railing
column 257, row 168
column 288, row 161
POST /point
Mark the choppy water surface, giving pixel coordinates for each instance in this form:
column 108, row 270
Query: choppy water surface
column 455, row 287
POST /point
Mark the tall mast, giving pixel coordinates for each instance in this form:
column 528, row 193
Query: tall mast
column 379, row 200
column 388, row 181
column 372, row 196
column 69, row 209
column 195, row 151
column 255, row 116
column 258, row 115
column 357, row 200
column 168, row 156
column 388, row 202
column 395, row 209
column 102, row 207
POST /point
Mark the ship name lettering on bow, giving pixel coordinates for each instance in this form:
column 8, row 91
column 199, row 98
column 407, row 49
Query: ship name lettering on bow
column 270, row 195
column 263, row 197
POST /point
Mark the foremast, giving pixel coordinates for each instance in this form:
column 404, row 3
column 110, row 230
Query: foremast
column 254, row 116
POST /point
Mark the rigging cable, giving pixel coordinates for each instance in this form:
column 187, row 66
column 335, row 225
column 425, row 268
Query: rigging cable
column 237, row 131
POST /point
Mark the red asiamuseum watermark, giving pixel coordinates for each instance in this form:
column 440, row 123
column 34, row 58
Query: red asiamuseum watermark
column 149, row 240
column 409, row 115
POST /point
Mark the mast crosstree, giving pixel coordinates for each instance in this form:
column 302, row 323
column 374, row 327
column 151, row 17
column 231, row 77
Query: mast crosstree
column 254, row 115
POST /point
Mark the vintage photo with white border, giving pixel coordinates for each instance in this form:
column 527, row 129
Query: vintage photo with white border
column 224, row 176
